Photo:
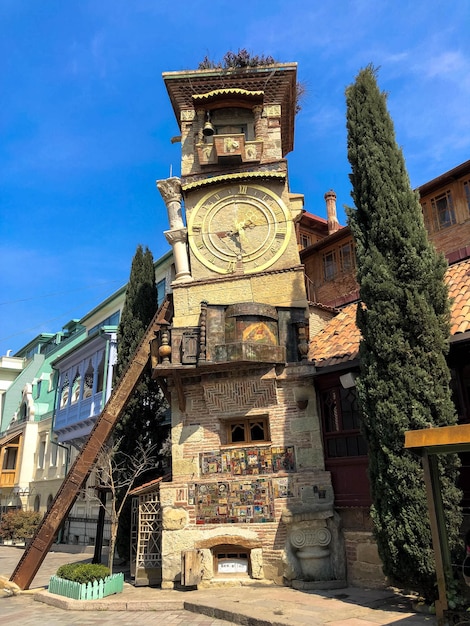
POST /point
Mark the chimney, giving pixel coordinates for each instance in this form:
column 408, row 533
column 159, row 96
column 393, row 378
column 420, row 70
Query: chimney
column 333, row 224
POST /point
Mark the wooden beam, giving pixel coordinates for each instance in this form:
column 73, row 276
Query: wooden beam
column 444, row 439
column 438, row 530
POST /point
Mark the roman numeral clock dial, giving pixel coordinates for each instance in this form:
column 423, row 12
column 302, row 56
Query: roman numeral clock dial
column 239, row 225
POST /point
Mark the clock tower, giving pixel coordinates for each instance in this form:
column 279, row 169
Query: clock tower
column 249, row 497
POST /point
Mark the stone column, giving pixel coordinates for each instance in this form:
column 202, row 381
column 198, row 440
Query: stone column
column 177, row 236
column 257, row 113
column 200, row 116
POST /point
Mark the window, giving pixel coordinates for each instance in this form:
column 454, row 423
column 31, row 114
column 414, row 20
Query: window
column 88, row 382
column 329, row 265
column 37, row 503
column 9, row 458
column 100, row 381
column 248, row 430
column 427, row 216
column 342, row 259
column 112, row 320
column 346, row 257
column 64, row 393
column 231, row 129
column 54, row 451
column 41, row 454
column 466, row 188
column 305, row 240
column 443, row 210
column 24, row 412
column 76, row 388
column 161, row 288
column 341, row 425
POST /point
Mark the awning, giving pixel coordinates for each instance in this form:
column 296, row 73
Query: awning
column 10, row 437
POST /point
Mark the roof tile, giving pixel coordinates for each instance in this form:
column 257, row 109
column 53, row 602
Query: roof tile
column 338, row 342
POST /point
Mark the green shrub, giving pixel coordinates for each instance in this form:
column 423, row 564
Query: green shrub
column 66, row 571
column 83, row 572
column 19, row 524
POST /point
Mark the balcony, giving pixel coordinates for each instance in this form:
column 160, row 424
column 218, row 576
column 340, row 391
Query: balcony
column 248, row 351
column 7, row 478
column 73, row 414
column 230, row 149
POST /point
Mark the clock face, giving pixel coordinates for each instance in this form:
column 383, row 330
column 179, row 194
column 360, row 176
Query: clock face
column 239, row 228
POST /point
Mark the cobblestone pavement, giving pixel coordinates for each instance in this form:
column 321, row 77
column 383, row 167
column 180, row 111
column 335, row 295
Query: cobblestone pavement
column 25, row 611
column 253, row 605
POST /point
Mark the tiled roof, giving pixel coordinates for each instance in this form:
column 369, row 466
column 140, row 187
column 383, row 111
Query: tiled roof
column 458, row 281
column 277, row 81
column 338, row 342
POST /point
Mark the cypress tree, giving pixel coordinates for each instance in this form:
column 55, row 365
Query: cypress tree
column 141, row 419
column 404, row 322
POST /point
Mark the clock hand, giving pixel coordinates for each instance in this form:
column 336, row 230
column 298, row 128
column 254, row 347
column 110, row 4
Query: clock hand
column 223, row 234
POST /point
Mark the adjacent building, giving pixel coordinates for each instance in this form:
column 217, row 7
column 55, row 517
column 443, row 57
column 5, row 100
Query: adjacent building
column 62, row 383
column 334, row 351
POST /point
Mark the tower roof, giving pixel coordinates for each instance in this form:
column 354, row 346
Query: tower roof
column 275, row 84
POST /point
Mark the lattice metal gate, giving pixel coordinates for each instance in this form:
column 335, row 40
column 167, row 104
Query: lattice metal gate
column 146, row 539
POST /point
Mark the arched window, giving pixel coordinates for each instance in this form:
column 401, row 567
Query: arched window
column 37, row 503
column 64, row 392
column 23, row 412
column 76, row 388
column 50, row 500
column 88, row 382
column 100, row 382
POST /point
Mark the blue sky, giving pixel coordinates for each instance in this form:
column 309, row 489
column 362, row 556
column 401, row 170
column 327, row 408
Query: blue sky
column 86, row 122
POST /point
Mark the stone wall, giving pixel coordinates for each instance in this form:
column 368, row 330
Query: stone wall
column 284, row 288
column 200, row 429
column 364, row 567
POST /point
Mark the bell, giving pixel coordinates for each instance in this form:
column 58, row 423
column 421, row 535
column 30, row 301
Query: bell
column 208, row 129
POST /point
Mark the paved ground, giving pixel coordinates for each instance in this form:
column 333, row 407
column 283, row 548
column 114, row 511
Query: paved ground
column 250, row 606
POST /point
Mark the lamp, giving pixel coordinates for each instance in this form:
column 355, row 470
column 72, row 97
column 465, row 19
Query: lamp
column 348, row 380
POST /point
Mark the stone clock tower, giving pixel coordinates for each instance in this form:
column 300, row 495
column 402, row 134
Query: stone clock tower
column 249, row 498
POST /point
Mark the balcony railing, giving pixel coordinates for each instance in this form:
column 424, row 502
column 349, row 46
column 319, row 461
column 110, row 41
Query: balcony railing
column 78, row 412
column 230, row 147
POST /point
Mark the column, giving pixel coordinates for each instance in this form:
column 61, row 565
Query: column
column 177, row 236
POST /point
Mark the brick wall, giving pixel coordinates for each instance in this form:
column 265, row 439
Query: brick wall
column 201, row 428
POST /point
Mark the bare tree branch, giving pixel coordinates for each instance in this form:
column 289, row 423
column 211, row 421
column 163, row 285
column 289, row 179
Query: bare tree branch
column 117, row 472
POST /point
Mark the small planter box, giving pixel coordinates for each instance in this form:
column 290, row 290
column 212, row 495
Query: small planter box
column 89, row 591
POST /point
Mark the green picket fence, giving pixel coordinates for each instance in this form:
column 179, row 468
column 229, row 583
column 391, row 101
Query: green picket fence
column 87, row 591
